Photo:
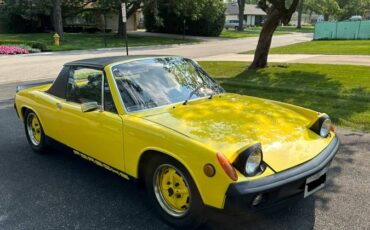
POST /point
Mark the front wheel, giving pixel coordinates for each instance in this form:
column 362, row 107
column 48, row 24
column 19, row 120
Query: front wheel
column 174, row 194
column 34, row 132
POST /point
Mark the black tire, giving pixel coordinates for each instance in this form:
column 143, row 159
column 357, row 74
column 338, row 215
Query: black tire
column 40, row 145
column 194, row 216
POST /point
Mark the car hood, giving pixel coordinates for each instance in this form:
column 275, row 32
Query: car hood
column 229, row 123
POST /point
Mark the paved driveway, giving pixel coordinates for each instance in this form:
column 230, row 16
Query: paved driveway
column 62, row 191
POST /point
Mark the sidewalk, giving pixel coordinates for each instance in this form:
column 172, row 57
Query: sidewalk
column 179, row 36
column 296, row 58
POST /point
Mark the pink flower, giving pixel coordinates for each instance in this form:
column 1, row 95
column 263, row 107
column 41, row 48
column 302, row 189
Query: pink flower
column 5, row 49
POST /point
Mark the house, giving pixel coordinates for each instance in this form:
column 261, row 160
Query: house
column 92, row 19
column 252, row 14
column 367, row 14
column 307, row 19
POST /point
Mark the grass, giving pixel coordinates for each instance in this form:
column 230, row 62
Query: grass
column 244, row 34
column 304, row 29
column 337, row 47
column 255, row 31
column 82, row 41
column 342, row 91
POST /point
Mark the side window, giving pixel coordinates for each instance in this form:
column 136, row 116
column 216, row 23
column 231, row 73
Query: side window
column 84, row 85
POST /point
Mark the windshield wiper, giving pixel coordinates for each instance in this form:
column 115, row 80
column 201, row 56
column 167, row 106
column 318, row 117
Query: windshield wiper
column 193, row 92
column 214, row 87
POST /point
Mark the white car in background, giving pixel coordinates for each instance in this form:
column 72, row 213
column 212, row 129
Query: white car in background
column 233, row 24
column 355, row 18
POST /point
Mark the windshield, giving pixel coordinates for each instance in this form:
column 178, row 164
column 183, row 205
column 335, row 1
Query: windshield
column 149, row 83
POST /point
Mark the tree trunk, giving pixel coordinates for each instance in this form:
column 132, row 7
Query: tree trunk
column 241, row 5
column 57, row 18
column 130, row 10
column 300, row 11
column 264, row 42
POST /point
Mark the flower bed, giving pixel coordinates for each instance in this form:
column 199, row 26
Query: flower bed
column 35, row 45
column 10, row 50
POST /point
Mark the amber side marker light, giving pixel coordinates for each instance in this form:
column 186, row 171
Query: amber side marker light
column 227, row 167
column 209, row 170
column 332, row 128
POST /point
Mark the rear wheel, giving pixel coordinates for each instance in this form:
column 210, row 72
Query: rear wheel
column 173, row 193
column 34, row 132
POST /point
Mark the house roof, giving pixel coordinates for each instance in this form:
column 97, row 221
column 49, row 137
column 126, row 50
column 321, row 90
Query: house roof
column 249, row 9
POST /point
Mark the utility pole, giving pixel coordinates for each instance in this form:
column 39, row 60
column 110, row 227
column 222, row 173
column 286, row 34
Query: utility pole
column 124, row 20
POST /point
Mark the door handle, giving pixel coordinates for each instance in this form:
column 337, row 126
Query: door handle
column 59, row 106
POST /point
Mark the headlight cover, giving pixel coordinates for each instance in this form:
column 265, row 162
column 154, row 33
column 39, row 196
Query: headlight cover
column 250, row 161
column 325, row 127
column 322, row 126
column 253, row 162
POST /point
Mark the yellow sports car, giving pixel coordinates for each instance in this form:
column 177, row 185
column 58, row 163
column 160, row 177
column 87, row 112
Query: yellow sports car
column 161, row 120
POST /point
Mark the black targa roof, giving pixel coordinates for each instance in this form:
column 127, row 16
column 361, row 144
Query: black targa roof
column 101, row 62
column 59, row 87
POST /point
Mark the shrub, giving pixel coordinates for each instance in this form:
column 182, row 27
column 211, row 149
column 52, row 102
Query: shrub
column 35, row 45
column 29, row 48
column 206, row 20
column 12, row 50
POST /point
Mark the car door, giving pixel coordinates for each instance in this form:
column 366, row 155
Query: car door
column 89, row 119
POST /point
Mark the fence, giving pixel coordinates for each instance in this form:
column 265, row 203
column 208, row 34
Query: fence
column 342, row 30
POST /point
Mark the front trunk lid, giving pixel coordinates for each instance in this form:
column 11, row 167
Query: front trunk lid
column 230, row 123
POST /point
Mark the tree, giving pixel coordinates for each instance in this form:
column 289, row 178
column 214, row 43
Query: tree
column 300, row 11
column 241, row 6
column 277, row 11
column 325, row 7
column 353, row 7
column 201, row 17
column 26, row 16
column 131, row 7
column 57, row 17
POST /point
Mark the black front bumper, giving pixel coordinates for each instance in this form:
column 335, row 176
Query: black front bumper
column 280, row 188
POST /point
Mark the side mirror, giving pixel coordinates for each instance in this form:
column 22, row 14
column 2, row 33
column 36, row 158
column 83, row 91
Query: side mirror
column 89, row 106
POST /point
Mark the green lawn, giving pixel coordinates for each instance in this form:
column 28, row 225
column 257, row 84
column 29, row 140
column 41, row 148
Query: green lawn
column 338, row 47
column 244, row 34
column 82, row 41
column 342, row 91
column 304, row 29
column 255, row 31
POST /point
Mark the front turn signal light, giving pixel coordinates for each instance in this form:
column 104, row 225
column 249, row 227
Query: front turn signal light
column 227, row 167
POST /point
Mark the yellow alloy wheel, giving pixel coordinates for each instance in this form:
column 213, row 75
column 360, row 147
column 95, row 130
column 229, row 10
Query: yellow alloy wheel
column 172, row 190
column 34, row 129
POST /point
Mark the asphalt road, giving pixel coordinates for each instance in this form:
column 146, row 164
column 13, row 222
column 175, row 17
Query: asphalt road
column 47, row 65
column 62, row 191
